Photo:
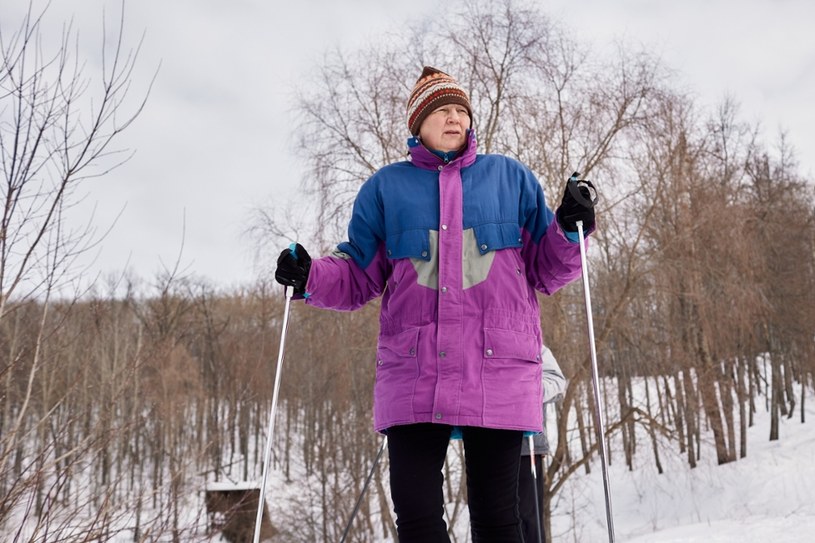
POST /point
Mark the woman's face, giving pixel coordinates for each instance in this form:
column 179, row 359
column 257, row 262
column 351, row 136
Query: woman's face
column 445, row 129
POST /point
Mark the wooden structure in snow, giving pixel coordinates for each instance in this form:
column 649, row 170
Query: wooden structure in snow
column 232, row 510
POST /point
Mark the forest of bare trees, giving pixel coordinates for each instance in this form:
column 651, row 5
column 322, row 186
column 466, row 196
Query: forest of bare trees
column 118, row 403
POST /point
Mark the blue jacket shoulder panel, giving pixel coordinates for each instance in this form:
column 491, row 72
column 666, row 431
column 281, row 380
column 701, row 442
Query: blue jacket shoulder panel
column 397, row 205
column 366, row 228
column 493, row 187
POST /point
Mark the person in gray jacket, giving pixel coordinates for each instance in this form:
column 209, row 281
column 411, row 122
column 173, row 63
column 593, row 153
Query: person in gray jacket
column 554, row 385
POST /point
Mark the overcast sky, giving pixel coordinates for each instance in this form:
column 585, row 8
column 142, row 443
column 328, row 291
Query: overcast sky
column 215, row 140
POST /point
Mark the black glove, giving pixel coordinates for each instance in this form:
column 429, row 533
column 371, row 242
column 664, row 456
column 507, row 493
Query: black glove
column 292, row 268
column 577, row 204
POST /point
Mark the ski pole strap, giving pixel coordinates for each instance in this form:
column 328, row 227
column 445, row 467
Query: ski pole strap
column 574, row 185
column 293, row 249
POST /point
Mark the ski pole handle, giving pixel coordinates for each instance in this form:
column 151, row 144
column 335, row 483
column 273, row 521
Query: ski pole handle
column 574, row 185
column 290, row 289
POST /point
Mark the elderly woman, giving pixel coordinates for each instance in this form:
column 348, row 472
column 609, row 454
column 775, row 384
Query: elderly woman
column 456, row 243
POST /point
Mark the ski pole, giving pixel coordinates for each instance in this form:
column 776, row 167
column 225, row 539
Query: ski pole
column 535, row 487
column 364, row 488
column 267, row 457
column 601, row 432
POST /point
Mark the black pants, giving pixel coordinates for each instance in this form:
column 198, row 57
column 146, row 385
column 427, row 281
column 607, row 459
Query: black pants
column 526, row 494
column 492, row 459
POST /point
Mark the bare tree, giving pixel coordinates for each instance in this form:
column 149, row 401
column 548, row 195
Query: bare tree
column 57, row 130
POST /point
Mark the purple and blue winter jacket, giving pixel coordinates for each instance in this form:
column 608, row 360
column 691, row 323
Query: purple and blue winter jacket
column 457, row 251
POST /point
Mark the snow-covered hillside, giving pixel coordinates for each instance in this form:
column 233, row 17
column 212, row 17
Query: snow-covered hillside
column 767, row 497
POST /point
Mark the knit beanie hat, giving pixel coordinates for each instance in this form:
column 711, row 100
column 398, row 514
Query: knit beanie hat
column 432, row 90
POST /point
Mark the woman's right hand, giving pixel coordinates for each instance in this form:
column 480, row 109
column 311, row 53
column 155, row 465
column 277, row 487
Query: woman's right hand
column 293, row 266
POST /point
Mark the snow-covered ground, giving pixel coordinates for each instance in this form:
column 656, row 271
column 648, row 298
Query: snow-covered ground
column 769, row 496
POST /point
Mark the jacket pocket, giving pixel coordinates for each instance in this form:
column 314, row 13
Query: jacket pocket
column 409, row 244
column 494, row 236
column 511, row 374
column 397, row 371
column 510, row 344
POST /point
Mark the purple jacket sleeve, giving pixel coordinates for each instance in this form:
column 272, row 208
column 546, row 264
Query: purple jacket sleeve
column 552, row 263
column 339, row 283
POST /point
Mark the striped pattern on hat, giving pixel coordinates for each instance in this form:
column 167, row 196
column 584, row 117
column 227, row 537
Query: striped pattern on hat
column 432, row 90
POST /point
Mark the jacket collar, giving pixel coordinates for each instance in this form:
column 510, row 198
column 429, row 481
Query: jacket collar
column 424, row 158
